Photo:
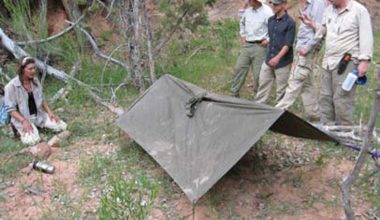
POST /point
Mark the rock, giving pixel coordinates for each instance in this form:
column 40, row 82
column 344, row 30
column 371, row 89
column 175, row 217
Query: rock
column 156, row 214
column 54, row 141
column 41, row 150
column 64, row 134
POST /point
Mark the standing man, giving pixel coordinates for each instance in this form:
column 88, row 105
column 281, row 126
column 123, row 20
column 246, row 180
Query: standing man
column 347, row 28
column 254, row 40
column 301, row 80
column 281, row 30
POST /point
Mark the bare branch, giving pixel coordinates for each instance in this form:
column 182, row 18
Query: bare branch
column 164, row 40
column 110, row 8
column 54, row 36
column 194, row 53
column 17, row 51
column 106, row 64
column 97, row 50
column 2, row 73
column 63, row 91
column 149, row 37
column 44, row 70
column 117, row 110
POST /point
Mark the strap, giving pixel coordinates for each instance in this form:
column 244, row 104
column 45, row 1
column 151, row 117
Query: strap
column 191, row 104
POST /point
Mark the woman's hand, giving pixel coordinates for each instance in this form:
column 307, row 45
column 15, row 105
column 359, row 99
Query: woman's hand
column 53, row 117
column 27, row 126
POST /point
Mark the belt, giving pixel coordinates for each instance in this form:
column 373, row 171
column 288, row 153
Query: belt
column 254, row 42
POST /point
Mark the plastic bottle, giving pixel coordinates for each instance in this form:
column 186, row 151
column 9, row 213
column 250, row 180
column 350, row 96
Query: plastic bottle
column 43, row 166
column 350, row 80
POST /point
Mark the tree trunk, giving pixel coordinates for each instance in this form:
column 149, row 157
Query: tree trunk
column 71, row 9
column 136, row 56
column 74, row 14
column 149, row 40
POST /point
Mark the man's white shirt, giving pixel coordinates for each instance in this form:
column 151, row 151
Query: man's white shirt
column 254, row 23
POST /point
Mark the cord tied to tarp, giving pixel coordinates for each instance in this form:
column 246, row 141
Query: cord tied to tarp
column 191, row 104
column 374, row 153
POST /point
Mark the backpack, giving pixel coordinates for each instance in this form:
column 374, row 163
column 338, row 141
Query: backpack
column 4, row 115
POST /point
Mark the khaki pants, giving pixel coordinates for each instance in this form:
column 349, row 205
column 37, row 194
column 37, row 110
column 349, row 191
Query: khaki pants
column 250, row 54
column 33, row 137
column 267, row 76
column 337, row 106
column 301, row 82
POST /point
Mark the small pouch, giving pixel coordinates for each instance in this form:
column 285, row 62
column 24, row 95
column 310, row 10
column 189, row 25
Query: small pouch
column 343, row 63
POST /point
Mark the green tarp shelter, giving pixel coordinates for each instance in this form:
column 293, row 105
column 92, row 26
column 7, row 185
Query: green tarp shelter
column 197, row 136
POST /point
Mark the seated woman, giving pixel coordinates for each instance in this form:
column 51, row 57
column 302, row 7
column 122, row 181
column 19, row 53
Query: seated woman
column 24, row 102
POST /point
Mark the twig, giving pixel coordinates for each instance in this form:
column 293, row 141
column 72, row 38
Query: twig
column 194, row 53
column 54, row 36
column 34, row 191
column 106, row 64
column 97, row 50
column 165, row 39
column 4, row 74
column 44, row 70
column 110, row 9
column 117, row 110
column 64, row 90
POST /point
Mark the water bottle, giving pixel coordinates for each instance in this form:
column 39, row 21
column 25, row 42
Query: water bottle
column 350, row 80
column 43, row 166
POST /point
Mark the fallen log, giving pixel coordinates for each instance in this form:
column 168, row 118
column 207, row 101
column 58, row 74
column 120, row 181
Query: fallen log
column 18, row 52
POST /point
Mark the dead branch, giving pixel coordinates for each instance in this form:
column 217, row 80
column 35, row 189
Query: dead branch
column 149, row 37
column 165, row 39
column 34, row 191
column 117, row 110
column 97, row 50
column 54, row 36
column 110, row 8
column 63, row 91
column 368, row 144
column 44, row 70
column 72, row 9
column 346, row 128
column 106, row 64
column 2, row 73
column 346, row 136
column 345, row 133
column 194, row 53
column 17, row 52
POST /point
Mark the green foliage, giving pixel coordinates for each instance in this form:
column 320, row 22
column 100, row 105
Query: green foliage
column 127, row 199
column 14, row 164
column 91, row 170
column 212, row 50
column 21, row 15
column 227, row 32
column 192, row 13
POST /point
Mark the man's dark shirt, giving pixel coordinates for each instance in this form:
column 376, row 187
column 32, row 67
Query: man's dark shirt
column 281, row 32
